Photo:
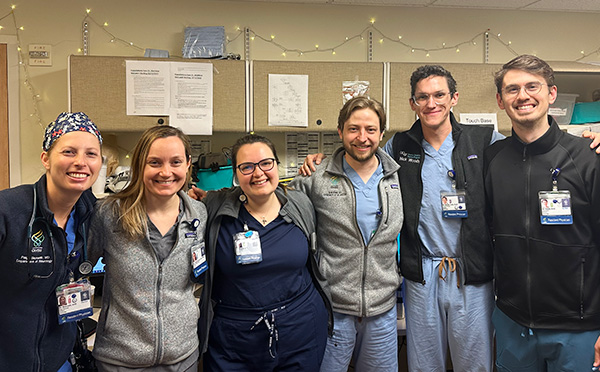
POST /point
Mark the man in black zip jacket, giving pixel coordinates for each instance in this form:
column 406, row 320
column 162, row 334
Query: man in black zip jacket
column 544, row 189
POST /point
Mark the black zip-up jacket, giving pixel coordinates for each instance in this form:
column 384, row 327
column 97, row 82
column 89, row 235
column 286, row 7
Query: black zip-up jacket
column 30, row 337
column 467, row 161
column 547, row 276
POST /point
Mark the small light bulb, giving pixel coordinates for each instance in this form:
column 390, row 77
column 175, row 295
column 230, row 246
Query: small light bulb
column 88, row 11
column 509, row 42
column 582, row 52
column 399, row 37
column 283, row 54
column 131, row 43
column 105, row 24
column 237, row 28
column 78, row 50
column 13, row 6
column 21, row 28
column 316, row 46
column 372, row 20
column 457, row 50
column 18, row 49
column 412, row 50
column 1, row 27
column 427, row 55
column 444, row 45
column 252, row 38
column 499, row 34
column 127, row 156
column 380, row 41
column 333, row 52
column 347, row 38
column 272, row 37
column 112, row 40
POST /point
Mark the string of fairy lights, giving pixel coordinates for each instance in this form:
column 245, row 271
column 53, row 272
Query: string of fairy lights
column 370, row 31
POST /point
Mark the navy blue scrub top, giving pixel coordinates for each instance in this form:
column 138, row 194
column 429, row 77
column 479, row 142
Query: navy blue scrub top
column 281, row 275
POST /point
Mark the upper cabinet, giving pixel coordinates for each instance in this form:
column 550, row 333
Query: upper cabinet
column 325, row 81
column 97, row 87
column 474, row 84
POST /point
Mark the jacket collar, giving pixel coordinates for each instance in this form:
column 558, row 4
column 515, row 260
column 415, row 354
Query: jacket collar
column 231, row 204
column 83, row 208
column 543, row 144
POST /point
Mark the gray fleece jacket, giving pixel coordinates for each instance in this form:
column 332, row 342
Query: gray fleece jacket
column 362, row 279
column 149, row 312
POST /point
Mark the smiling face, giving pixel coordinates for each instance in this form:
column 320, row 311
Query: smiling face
column 361, row 135
column 73, row 163
column 434, row 115
column 165, row 171
column 260, row 184
column 524, row 109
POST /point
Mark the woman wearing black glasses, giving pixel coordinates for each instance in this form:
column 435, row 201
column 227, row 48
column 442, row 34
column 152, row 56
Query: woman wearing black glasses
column 43, row 230
column 269, row 301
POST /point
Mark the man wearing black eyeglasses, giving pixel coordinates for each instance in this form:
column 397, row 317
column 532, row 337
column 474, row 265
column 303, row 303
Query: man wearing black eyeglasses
column 544, row 188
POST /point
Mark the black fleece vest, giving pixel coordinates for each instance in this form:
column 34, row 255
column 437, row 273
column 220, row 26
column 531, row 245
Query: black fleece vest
column 467, row 161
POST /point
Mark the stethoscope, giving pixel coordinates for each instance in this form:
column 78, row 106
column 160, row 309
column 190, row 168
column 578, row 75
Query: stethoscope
column 35, row 240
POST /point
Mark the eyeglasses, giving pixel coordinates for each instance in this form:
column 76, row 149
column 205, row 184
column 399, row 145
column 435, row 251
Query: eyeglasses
column 264, row 165
column 530, row 88
column 422, row 99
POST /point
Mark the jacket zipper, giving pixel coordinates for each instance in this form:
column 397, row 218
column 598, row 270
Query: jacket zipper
column 581, row 309
column 527, row 226
column 159, row 348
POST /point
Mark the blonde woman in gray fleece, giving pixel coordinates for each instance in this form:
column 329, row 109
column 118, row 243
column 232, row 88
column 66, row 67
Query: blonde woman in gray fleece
column 151, row 236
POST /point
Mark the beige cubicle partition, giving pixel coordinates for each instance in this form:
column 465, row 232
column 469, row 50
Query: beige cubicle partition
column 474, row 83
column 325, row 97
column 97, row 87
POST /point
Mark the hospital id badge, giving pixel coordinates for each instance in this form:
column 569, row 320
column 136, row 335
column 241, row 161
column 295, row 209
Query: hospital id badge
column 74, row 301
column 555, row 207
column 199, row 259
column 247, row 247
column 454, row 204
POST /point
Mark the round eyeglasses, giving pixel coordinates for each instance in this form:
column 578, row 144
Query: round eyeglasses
column 264, row 165
column 439, row 98
column 531, row 88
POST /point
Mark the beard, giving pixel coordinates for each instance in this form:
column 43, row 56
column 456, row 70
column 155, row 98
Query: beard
column 360, row 157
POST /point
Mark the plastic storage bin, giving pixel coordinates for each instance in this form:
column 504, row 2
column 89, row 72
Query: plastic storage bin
column 209, row 180
column 586, row 112
column 562, row 109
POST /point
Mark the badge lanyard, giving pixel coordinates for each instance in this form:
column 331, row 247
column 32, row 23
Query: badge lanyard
column 454, row 202
column 555, row 205
column 246, row 245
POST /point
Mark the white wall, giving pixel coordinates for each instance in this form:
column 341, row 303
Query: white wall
column 160, row 24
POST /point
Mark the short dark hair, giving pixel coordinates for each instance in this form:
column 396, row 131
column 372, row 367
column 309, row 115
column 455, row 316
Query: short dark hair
column 527, row 63
column 426, row 71
column 359, row 103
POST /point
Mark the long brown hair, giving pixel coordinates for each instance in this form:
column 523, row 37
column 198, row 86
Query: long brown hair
column 129, row 202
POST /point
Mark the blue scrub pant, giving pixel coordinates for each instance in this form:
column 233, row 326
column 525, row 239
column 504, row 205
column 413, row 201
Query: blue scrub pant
column 297, row 345
column 442, row 316
column 522, row 349
column 372, row 341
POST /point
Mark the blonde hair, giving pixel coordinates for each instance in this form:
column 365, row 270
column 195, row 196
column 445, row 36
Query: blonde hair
column 128, row 204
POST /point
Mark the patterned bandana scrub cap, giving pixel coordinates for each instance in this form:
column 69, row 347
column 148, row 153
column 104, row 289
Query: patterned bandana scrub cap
column 69, row 122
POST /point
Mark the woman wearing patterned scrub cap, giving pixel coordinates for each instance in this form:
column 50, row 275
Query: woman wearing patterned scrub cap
column 43, row 228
